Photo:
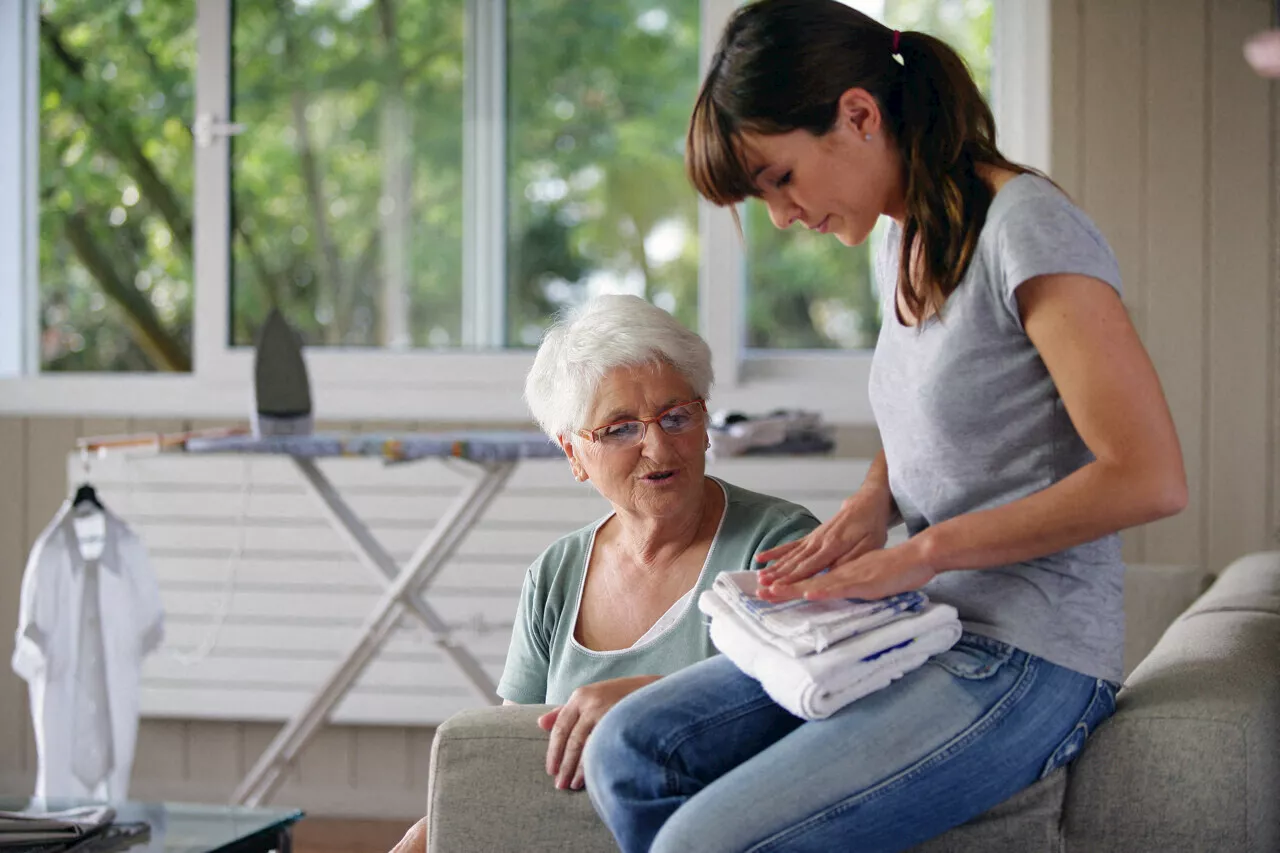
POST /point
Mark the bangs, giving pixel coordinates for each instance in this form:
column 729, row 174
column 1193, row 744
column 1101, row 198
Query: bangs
column 713, row 157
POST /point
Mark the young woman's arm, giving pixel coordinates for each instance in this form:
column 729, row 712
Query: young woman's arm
column 1112, row 394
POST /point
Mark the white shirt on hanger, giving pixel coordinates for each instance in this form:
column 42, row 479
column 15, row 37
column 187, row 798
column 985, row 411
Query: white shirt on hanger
column 84, row 678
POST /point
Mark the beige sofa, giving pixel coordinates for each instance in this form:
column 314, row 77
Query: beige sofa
column 1190, row 762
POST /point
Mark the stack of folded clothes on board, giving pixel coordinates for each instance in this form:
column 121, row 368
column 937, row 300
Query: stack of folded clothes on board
column 781, row 432
column 815, row 657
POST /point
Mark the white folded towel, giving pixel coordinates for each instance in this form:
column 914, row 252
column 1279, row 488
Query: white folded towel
column 816, row 686
column 801, row 627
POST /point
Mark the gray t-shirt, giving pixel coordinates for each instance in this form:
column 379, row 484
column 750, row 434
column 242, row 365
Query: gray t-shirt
column 970, row 419
column 546, row 664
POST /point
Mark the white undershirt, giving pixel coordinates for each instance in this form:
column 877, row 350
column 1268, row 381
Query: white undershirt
column 666, row 619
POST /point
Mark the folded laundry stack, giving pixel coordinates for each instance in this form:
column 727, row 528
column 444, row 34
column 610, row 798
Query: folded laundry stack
column 781, row 432
column 815, row 657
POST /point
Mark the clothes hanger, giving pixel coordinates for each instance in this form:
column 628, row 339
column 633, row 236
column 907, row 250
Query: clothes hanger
column 86, row 493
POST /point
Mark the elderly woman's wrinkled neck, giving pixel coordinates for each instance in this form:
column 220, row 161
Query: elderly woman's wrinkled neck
column 661, row 496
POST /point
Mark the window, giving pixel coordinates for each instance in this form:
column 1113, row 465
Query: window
column 805, row 290
column 347, row 176
column 598, row 101
column 420, row 185
column 116, row 94
column 348, row 187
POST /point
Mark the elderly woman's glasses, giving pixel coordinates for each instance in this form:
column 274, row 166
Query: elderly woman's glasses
column 676, row 420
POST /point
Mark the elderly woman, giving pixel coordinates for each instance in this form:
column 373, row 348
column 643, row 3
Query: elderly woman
column 609, row 608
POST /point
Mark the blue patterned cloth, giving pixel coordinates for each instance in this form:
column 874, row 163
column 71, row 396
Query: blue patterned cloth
column 801, row 627
column 477, row 446
column 897, row 603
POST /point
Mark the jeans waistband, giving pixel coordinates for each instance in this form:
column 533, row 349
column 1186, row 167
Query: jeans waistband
column 1018, row 657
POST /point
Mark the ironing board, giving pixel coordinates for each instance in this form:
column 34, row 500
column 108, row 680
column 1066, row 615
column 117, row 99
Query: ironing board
column 493, row 456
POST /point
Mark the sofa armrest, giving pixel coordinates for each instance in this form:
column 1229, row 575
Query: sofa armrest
column 1191, row 760
column 489, row 790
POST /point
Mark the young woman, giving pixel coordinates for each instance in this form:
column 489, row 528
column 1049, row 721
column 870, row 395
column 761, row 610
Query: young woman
column 1023, row 425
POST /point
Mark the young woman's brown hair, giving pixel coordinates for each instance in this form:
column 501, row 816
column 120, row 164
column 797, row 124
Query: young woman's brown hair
column 782, row 66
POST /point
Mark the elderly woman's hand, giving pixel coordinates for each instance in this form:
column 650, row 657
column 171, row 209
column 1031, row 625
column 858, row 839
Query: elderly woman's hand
column 572, row 723
column 415, row 840
column 861, row 526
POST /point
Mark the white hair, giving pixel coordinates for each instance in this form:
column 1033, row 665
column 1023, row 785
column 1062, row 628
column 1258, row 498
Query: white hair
column 606, row 333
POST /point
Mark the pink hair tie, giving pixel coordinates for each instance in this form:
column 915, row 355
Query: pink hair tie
column 897, row 36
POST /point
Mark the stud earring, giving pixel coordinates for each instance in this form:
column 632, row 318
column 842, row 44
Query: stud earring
column 867, row 137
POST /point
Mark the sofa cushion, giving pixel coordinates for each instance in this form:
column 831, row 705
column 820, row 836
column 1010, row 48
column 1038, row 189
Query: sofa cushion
column 1028, row 822
column 498, row 791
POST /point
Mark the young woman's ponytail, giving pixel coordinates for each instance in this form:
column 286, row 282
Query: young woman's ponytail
column 944, row 129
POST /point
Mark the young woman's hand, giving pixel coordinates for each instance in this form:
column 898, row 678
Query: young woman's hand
column 572, row 723
column 860, row 527
column 875, row 574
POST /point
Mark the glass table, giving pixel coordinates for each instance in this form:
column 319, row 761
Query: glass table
column 189, row 827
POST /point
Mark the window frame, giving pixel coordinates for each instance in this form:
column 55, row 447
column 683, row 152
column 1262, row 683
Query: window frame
column 436, row 386
column 19, row 218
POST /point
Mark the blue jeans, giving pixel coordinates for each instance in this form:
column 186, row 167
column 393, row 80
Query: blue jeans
column 704, row 760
